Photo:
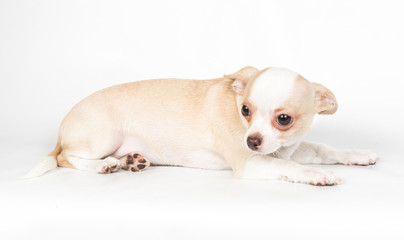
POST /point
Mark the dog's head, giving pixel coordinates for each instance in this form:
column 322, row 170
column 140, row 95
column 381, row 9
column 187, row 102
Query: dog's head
column 277, row 106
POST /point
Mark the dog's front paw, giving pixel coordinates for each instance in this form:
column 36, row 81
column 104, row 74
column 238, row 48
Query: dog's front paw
column 316, row 177
column 360, row 157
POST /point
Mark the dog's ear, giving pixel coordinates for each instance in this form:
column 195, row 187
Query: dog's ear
column 241, row 78
column 325, row 101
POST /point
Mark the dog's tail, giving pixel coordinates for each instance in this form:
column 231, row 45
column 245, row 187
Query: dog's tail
column 46, row 164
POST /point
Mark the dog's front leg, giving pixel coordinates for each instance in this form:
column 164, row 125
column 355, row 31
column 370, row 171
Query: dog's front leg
column 317, row 153
column 267, row 167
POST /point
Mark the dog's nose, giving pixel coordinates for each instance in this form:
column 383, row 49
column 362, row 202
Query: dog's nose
column 254, row 141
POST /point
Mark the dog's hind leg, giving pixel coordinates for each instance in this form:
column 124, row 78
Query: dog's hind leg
column 93, row 159
column 107, row 165
column 134, row 162
column 90, row 151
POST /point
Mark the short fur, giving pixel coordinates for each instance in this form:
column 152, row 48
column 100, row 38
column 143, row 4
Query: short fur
column 198, row 123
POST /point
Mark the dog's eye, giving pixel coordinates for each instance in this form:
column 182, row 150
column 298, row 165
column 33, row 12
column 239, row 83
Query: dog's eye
column 245, row 111
column 284, row 119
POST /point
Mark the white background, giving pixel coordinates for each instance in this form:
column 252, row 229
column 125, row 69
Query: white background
column 54, row 53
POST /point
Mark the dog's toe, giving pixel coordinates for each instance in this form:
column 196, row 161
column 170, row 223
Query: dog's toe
column 109, row 165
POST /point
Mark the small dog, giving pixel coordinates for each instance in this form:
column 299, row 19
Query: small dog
column 250, row 121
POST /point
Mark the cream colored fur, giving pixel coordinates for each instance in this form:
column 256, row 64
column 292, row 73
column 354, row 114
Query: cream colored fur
column 198, row 123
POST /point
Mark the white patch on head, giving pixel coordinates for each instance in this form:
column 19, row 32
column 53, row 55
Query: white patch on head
column 269, row 92
column 272, row 88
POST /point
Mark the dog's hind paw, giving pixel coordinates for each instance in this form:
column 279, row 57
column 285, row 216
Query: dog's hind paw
column 134, row 162
column 109, row 165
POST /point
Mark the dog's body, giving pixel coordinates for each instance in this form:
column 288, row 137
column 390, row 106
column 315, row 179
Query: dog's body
column 251, row 122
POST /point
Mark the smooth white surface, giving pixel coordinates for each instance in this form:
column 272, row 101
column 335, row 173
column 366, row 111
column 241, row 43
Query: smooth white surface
column 54, row 53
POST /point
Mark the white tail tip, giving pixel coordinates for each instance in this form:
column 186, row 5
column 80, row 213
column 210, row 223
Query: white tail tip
column 45, row 165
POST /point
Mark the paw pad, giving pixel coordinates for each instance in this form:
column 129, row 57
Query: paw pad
column 135, row 162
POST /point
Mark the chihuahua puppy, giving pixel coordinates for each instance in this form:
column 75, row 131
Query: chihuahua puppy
column 250, row 121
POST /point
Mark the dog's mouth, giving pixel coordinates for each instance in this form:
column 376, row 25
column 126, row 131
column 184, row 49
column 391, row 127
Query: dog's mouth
column 265, row 150
column 259, row 144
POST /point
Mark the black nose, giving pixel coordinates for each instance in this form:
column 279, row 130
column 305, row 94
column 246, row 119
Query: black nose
column 254, row 141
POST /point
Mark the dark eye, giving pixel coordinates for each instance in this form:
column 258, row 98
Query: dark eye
column 284, row 119
column 245, row 111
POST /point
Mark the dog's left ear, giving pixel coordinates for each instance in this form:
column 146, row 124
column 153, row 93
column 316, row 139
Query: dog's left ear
column 241, row 78
column 325, row 101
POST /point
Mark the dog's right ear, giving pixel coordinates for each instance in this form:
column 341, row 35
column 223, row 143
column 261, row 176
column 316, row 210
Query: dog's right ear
column 241, row 78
